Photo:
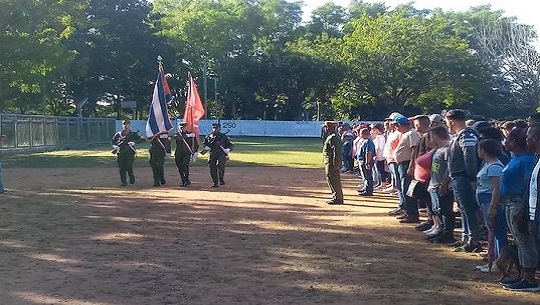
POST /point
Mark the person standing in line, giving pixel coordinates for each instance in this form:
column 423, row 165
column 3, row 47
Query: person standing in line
column 524, row 222
column 366, row 160
column 404, row 150
column 219, row 145
column 463, row 166
column 2, row 189
column 186, row 148
column 159, row 147
column 442, row 199
column 377, row 133
column 123, row 143
column 488, row 193
column 332, row 162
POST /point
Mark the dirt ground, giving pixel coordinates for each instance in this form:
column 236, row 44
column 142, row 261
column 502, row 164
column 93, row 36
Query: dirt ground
column 76, row 237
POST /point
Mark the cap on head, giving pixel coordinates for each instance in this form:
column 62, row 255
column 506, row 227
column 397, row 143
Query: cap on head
column 331, row 123
column 392, row 116
column 401, row 120
column 436, row 118
column 214, row 125
column 182, row 124
column 126, row 122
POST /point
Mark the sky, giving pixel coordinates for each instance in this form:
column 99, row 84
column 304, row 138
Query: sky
column 525, row 10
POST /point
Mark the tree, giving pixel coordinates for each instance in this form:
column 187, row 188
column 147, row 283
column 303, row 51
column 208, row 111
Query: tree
column 403, row 59
column 32, row 50
column 116, row 55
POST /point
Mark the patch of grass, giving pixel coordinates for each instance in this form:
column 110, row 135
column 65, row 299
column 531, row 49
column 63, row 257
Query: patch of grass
column 248, row 151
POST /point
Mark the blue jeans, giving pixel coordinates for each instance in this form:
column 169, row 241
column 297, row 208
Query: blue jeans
column 500, row 228
column 392, row 167
column 367, row 174
column 465, row 196
column 410, row 204
column 443, row 206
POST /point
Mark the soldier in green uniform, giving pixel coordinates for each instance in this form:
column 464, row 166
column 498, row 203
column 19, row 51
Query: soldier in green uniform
column 186, row 148
column 160, row 146
column 219, row 146
column 332, row 162
column 123, row 143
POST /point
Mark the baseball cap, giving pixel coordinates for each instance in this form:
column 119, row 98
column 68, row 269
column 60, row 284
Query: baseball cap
column 400, row 120
column 436, row 118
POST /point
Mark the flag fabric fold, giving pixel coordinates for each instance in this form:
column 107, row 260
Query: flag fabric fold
column 158, row 115
column 194, row 108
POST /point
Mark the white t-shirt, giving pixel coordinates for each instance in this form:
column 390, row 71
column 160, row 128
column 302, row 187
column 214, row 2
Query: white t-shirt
column 533, row 191
column 405, row 146
column 379, row 142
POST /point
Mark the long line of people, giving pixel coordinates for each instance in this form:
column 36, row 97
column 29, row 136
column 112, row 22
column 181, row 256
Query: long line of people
column 431, row 162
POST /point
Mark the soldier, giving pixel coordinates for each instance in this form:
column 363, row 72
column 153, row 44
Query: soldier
column 219, row 146
column 160, row 146
column 123, row 143
column 332, row 162
column 186, row 148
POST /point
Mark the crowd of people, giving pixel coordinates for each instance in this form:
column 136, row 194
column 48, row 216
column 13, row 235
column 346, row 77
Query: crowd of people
column 432, row 163
column 217, row 144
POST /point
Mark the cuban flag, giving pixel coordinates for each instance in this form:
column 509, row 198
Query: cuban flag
column 158, row 116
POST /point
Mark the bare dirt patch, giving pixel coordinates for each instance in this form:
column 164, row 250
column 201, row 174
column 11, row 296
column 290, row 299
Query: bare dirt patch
column 74, row 236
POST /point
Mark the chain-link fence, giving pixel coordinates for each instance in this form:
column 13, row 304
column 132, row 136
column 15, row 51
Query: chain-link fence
column 34, row 132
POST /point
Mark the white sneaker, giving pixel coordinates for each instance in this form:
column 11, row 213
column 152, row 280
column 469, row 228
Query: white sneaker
column 486, row 269
column 389, row 190
column 433, row 228
column 434, row 232
column 480, row 267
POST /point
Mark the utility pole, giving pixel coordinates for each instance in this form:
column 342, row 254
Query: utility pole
column 205, row 87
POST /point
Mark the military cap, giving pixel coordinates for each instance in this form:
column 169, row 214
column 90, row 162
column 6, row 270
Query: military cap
column 328, row 123
column 182, row 123
column 216, row 125
column 126, row 122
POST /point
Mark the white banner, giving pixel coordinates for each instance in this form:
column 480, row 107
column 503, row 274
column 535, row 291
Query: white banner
column 251, row 128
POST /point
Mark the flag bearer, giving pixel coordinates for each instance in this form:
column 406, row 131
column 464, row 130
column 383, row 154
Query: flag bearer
column 219, row 146
column 186, row 149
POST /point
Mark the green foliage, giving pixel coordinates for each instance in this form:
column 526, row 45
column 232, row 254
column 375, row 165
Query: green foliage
column 397, row 61
column 363, row 61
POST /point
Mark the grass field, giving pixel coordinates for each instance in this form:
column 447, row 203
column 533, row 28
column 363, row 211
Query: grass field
column 289, row 152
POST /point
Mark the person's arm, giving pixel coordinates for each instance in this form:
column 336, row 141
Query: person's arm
column 495, row 196
column 337, row 157
column 468, row 145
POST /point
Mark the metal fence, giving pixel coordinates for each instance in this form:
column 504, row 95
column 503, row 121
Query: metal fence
column 35, row 132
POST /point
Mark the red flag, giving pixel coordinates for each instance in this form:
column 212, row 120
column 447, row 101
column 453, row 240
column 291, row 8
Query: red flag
column 194, row 108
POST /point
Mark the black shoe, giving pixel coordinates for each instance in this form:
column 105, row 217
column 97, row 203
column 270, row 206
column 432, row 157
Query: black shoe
column 365, row 194
column 334, row 201
column 457, row 244
column 156, row 184
column 188, row 183
column 215, row 185
column 469, row 248
column 132, row 180
column 409, row 220
column 444, row 238
column 424, row 226
column 511, row 282
column 162, row 181
column 395, row 212
column 222, row 182
column 123, row 184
